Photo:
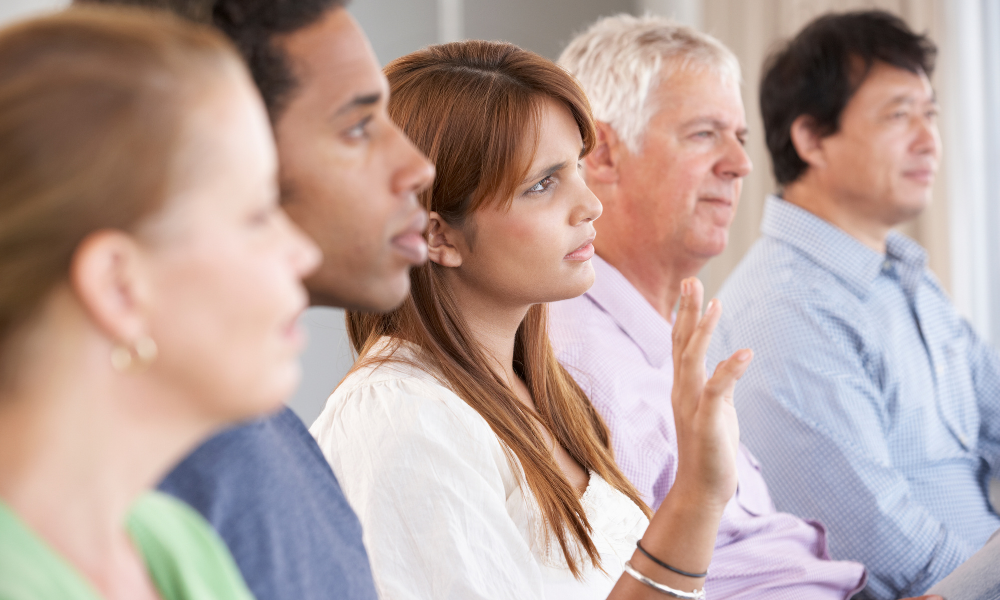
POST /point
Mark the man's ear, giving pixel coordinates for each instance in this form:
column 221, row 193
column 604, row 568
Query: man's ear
column 107, row 276
column 441, row 242
column 603, row 161
column 807, row 141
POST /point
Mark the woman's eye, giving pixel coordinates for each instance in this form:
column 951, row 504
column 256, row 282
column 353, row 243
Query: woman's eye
column 359, row 130
column 541, row 186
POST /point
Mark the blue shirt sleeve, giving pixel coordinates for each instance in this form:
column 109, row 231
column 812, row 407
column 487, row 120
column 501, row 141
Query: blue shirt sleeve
column 811, row 409
column 985, row 363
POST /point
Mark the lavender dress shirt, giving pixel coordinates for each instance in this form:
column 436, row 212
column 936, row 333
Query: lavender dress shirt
column 618, row 349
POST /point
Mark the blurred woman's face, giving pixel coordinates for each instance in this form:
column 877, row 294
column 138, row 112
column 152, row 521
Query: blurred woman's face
column 539, row 249
column 226, row 266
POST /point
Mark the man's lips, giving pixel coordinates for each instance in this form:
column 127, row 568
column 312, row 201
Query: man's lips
column 410, row 243
column 583, row 253
column 716, row 200
column 412, row 246
column 922, row 176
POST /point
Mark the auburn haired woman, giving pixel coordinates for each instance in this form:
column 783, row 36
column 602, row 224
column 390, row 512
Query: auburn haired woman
column 149, row 288
column 478, row 467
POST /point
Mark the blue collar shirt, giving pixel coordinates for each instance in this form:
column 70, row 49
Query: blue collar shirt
column 872, row 405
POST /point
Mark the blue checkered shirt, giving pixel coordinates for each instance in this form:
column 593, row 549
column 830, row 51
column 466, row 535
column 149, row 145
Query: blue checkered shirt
column 871, row 404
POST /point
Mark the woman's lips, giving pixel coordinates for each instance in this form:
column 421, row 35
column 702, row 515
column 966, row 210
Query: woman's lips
column 412, row 246
column 294, row 333
column 583, row 253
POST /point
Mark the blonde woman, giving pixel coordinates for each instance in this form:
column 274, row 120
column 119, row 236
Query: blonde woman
column 149, row 291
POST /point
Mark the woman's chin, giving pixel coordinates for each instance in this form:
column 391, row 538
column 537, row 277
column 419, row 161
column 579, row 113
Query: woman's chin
column 270, row 397
column 573, row 287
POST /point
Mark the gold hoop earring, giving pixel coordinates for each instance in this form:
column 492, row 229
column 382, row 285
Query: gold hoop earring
column 134, row 358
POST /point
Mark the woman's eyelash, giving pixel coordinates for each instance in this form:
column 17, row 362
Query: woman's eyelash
column 360, row 129
column 541, row 186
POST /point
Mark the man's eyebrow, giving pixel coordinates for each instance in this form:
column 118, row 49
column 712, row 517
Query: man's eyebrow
column 901, row 99
column 909, row 98
column 714, row 122
column 717, row 124
column 359, row 101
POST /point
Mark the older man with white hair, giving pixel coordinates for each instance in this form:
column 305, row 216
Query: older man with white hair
column 668, row 167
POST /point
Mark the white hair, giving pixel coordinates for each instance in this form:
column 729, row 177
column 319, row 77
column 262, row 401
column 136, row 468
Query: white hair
column 619, row 60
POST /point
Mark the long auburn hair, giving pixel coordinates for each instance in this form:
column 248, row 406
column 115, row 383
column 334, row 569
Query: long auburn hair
column 472, row 107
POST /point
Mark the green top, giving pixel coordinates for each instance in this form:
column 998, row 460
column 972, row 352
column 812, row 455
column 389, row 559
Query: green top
column 185, row 557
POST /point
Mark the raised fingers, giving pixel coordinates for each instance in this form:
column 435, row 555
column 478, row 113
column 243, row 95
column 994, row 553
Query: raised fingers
column 688, row 315
column 729, row 371
column 690, row 374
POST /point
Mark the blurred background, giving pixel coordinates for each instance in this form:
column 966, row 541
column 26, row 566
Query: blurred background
column 961, row 229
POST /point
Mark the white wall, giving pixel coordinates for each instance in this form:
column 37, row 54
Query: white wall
column 15, row 9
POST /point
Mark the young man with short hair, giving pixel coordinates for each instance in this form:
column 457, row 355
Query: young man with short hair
column 349, row 178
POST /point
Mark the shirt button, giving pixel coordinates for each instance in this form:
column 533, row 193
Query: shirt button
column 939, row 371
column 887, row 265
column 963, row 439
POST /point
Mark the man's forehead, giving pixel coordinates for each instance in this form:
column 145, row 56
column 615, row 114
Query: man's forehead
column 892, row 85
column 702, row 97
column 334, row 55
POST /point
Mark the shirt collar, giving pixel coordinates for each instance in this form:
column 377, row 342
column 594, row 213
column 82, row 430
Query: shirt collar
column 857, row 265
column 631, row 312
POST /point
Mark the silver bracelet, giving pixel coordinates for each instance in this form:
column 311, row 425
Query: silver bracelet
column 692, row 595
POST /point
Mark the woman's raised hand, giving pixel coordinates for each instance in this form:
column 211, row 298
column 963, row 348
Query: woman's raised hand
column 708, row 433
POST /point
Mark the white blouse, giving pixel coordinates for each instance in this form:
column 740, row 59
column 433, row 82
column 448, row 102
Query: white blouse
column 443, row 513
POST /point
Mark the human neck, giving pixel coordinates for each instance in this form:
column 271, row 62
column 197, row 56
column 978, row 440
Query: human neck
column 493, row 325
column 657, row 275
column 77, row 447
column 809, row 195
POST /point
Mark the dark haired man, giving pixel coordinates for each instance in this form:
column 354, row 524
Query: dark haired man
column 349, row 178
column 872, row 404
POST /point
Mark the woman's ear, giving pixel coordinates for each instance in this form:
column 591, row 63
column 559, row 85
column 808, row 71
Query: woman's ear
column 108, row 277
column 807, row 141
column 441, row 242
column 602, row 162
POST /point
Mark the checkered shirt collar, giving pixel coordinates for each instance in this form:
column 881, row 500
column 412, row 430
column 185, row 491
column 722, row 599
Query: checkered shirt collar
column 857, row 265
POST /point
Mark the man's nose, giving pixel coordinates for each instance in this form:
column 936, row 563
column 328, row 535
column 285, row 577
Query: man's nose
column 735, row 163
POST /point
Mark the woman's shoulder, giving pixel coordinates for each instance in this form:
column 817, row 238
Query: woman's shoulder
column 392, row 362
column 185, row 557
column 397, row 376
column 396, row 394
